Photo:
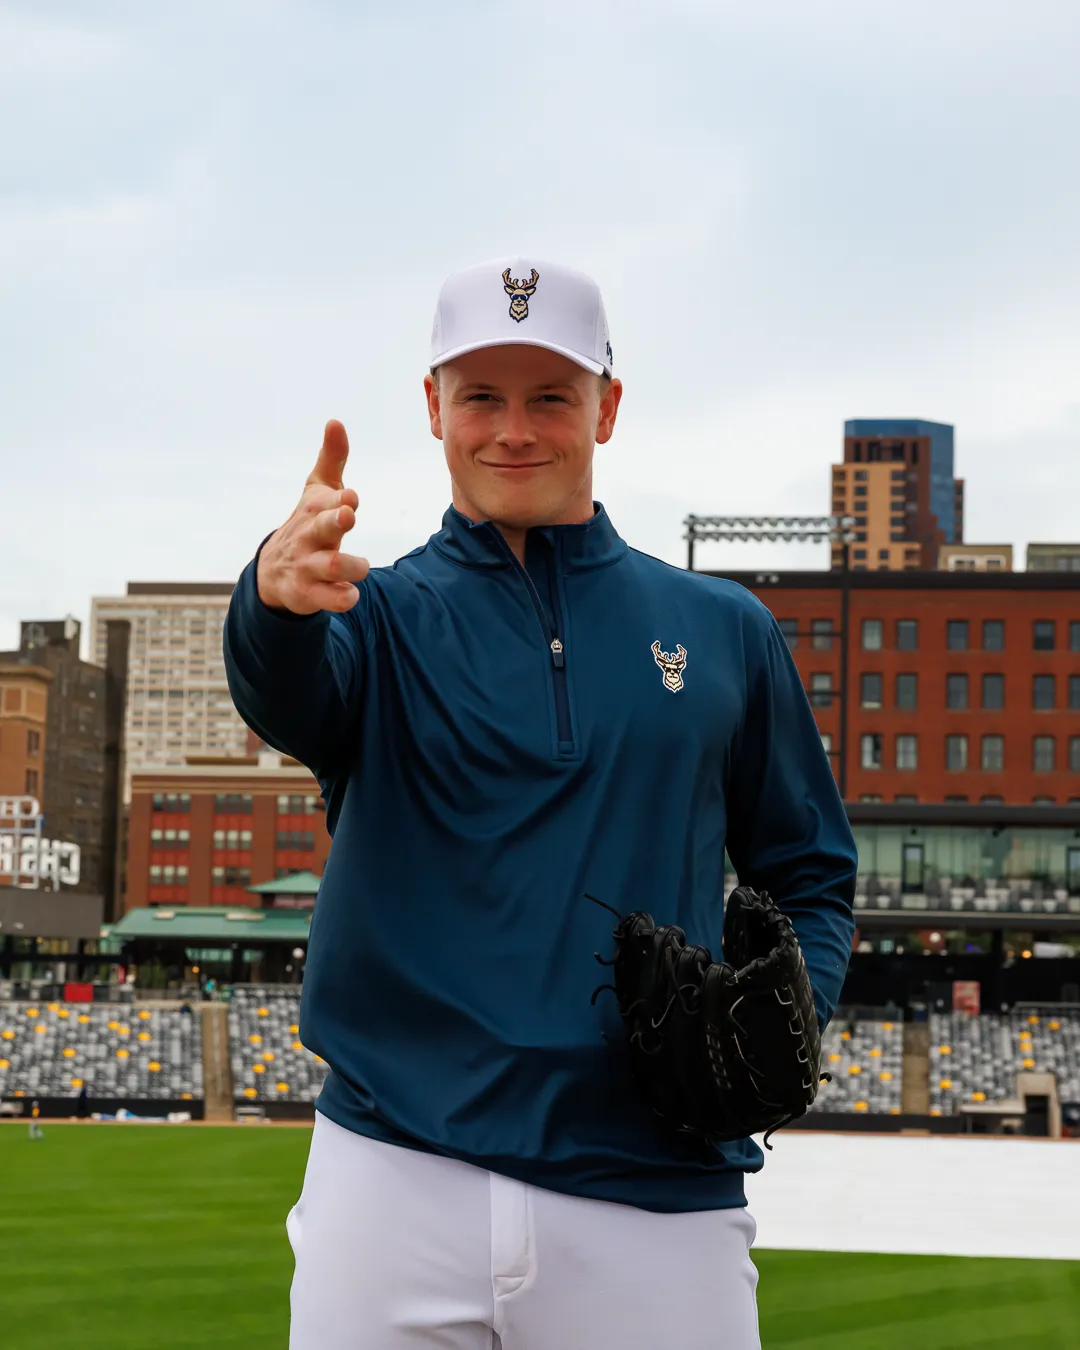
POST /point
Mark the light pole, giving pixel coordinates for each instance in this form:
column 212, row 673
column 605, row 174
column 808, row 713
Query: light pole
column 801, row 529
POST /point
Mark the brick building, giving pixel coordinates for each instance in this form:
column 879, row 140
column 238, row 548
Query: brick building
column 961, row 686
column 72, row 781
column 897, row 483
column 24, row 701
column 202, row 833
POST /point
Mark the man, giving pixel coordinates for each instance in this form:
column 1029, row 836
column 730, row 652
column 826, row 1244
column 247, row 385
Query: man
column 36, row 1132
column 518, row 712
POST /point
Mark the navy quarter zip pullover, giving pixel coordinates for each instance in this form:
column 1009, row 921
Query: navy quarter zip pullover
column 492, row 741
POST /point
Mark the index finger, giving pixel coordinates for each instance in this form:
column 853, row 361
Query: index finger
column 332, row 456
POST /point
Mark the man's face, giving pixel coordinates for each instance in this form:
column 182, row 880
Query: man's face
column 518, row 426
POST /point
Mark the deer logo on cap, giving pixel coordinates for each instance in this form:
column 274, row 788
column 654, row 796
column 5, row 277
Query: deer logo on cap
column 519, row 292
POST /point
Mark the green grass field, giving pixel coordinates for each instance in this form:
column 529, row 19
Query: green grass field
column 131, row 1237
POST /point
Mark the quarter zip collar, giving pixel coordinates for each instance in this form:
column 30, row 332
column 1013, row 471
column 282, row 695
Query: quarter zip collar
column 592, row 543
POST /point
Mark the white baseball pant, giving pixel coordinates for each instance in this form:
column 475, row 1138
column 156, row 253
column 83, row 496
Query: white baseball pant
column 399, row 1250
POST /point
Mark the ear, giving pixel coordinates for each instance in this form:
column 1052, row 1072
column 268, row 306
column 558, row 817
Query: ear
column 609, row 408
column 431, row 392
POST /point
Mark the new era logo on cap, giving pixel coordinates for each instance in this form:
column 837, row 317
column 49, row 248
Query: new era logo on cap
column 522, row 300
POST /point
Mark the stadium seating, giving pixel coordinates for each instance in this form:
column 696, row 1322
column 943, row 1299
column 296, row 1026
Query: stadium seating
column 51, row 1050
column 865, row 1060
column 976, row 1059
column 269, row 1064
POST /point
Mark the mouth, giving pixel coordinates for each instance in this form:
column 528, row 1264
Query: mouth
column 514, row 468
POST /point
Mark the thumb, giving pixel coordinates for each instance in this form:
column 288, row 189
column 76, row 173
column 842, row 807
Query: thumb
column 332, row 456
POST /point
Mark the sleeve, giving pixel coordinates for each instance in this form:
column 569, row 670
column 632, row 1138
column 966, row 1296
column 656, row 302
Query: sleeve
column 788, row 832
column 296, row 680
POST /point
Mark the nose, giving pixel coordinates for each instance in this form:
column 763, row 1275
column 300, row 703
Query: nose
column 515, row 431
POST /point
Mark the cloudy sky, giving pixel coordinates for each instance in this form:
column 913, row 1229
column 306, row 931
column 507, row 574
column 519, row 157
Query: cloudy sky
column 222, row 223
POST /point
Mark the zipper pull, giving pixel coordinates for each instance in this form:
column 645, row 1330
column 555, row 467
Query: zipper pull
column 557, row 653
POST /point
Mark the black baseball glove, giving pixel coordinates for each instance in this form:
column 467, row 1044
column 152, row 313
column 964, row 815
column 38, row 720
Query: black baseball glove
column 720, row 1049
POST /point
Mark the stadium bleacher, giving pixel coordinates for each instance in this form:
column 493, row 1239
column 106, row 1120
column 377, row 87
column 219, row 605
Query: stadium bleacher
column 269, row 1064
column 53, row 1049
column 976, row 1059
column 865, row 1060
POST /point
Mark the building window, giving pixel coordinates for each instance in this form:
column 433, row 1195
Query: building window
column 826, row 742
column 33, row 742
column 870, row 689
column 1042, row 693
column 905, row 798
column 821, row 689
column 1074, row 635
column 1043, row 635
column 234, row 803
column 1043, row 754
column 907, row 635
column 860, row 556
column 172, row 801
column 822, row 631
column 907, row 752
column 993, row 635
column 230, row 876
column 31, row 782
column 298, row 805
column 956, row 635
column 993, row 692
column 871, row 751
column 956, row 753
column 1042, row 801
column 789, row 628
column 907, row 692
column 872, row 635
column 155, row 874
column 1074, row 693
column 993, row 754
column 956, row 691
column 1074, row 754
column 883, row 553
column 870, row 797
column 992, row 799
column 295, row 839
column 955, row 799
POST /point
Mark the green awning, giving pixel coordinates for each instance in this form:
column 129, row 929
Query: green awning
column 213, row 924
column 300, row 883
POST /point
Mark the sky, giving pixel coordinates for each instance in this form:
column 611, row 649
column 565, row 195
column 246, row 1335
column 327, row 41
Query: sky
column 223, row 223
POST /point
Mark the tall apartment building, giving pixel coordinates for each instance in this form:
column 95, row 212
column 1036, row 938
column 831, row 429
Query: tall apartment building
column 24, row 695
column 961, row 686
column 71, row 781
column 178, row 701
column 897, row 482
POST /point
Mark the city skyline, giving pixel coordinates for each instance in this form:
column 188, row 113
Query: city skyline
column 796, row 221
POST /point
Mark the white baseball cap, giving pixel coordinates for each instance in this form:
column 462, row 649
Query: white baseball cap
column 523, row 301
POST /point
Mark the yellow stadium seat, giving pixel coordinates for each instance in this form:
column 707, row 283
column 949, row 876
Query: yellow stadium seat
column 144, row 1015
column 53, row 1007
column 854, row 1068
column 250, row 1092
column 268, row 1056
column 862, row 1106
column 123, row 1031
column 1033, row 1021
column 298, row 1045
column 122, row 1054
column 978, row 1096
column 7, row 1035
column 944, row 1049
column 295, row 1030
column 894, row 1110
column 62, row 1012
column 112, row 1025
column 264, row 1012
column 875, row 1053
column 144, row 1036
column 1028, row 1063
column 283, row 1087
column 258, row 1068
column 76, row 1082
column 185, row 1096
column 845, row 1035
column 31, row 1012
column 154, row 1066
column 256, row 1039
column 69, row 1053
column 41, row 1028
column 319, row 1059
column 84, row 1018
column 945, row 1083
column 887, row 1026
column 5, row 1063
column 935, row 1110
column 1054, row 1026
column 886, row 1077
column 18, row 1093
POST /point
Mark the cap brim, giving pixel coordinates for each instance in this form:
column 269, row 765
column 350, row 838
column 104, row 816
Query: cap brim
column 593, row 366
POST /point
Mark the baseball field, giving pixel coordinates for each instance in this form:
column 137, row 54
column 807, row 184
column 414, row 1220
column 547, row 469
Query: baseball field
column 128, row 1236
